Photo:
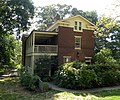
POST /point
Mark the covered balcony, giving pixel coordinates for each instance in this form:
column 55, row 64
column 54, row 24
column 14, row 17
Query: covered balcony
column 42, row 43
column 46, row 48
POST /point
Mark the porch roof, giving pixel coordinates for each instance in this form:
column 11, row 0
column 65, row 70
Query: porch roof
column 42, row 33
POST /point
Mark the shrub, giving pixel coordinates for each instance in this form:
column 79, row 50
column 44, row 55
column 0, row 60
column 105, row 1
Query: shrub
column 88, row 78
column 107, row 75
column 34, row 82
column 25, row 79
column 31, row 82
column 43, row 67
column 104, row 57
column 76, row 75
column 45, row 86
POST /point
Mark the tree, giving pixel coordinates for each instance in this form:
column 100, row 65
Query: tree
column 9, row 52
column 47, row 14
column 90, row 15
column 104, row 57
column 108, row 35
column 15, row 15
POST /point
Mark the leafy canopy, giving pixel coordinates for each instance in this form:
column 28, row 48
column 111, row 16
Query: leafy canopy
column 47, row 15
column 107, row 35
column 15, row 15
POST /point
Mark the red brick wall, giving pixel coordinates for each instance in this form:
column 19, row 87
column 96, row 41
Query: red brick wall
column 66, row 44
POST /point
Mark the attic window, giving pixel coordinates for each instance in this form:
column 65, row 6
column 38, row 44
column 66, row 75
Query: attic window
column 78, row 25
column 75, row 25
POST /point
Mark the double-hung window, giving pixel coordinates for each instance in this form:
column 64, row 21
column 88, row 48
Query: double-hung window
column 77, row 26
column 80, row 25
column 77, row 42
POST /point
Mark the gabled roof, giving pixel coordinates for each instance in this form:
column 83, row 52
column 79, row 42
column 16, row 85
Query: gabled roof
column 64, row 20
column 79, row 17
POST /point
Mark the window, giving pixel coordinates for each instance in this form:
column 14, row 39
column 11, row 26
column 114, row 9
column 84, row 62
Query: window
column 77, row 42
column 88, row 60
column 66, row 59
column 75, row 25
column 78, row 25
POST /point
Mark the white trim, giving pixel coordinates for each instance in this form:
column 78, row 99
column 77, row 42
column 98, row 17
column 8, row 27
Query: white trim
column 35, row 54
column 80, row 17
column 68, row 58
column 88, row 57
column 88, row 60
column 52, row 27
column 48, row 33
column 77, row 48
column 56, row 24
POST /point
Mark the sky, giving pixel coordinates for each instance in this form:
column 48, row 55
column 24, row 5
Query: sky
column 101, row 6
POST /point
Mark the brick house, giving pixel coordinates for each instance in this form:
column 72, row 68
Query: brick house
column 68, row 40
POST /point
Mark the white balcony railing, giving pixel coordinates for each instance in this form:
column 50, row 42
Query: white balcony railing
column 46, row 49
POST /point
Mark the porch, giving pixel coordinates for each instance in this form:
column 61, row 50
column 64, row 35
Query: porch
column 42, row 44
column 39, row 44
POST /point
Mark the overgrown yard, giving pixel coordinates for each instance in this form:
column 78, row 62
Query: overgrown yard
column 10, row 89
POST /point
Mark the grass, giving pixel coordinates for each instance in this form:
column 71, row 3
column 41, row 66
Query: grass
column 10, row 89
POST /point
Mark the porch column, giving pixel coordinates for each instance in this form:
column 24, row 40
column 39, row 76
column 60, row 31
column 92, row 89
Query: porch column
column 32, row 58
column 32, row 62
column 33, row 41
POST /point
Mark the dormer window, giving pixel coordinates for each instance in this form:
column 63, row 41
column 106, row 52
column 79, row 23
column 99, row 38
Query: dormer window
column 78, row 26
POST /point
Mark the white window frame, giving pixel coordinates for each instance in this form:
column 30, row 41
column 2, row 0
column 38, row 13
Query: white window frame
column 78, row 26
column 78, row 37
column 88, row 60
column 66, row 59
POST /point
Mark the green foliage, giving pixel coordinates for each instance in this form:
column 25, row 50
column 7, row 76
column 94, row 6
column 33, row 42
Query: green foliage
column 25, row 79
column 107, row 35
column 14, row 18
column 31, row 82
column 15, row 14
column 47, row 15
column 107, row 75
column 90, row 15
column 105, row 57
column 10, row 53
column 45, row 86
column 75, row 75
column 43, row 67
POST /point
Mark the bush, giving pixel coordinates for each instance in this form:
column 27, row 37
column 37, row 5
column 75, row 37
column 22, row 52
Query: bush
column 104, row 57
column 31, row 82
column 43, row 67
column 25, row 79
column 76, row 75
column 45, row 86
column 88, row 78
